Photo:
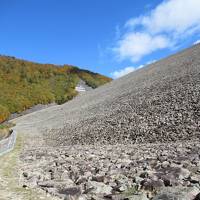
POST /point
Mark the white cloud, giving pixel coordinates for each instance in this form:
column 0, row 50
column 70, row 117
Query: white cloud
column 197, row 42
column 166, row 25
column 151, row 62
column 140, row 66
column 127, row 70
column 122, row 72
column 177, row 16
column 136, row 45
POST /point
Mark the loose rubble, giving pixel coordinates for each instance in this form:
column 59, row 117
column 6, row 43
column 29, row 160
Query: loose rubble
column 136, row 138
column 118, row 172
column 158, row 103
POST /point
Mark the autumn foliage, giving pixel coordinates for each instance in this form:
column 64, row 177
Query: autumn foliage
column 24, row 84
column 4, row 113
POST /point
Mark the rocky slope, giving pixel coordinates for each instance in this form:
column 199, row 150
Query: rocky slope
column 159, row 103
column 115, row 172
column 136, row 138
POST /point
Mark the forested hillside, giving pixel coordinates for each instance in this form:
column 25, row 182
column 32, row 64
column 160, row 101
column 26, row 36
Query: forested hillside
column 24, row 84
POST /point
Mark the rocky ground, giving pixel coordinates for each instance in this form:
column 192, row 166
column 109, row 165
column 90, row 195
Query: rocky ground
column 10, row 189
column 30, row 110
column 136, row 138
column 158, row 103
column 119, row 172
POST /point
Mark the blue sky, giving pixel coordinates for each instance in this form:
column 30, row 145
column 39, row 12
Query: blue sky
column 112, row 37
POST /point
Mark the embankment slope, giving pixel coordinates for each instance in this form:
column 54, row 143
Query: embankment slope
column 159, row 103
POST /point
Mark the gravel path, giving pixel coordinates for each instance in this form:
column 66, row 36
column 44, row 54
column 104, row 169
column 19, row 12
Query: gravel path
column 30, row 110
column 10, row 186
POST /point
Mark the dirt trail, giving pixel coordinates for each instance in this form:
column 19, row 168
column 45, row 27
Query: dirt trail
column 10, row 189
column 35, row 122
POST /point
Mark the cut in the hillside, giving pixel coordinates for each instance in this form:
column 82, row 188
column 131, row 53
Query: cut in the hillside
column 24, row 84
column 158, row 103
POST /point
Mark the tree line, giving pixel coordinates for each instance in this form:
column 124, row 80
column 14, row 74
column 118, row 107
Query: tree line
column 24, row 84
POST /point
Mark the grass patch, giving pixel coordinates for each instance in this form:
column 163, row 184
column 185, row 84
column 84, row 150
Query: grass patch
column 10, row 187
column 5, row 130
column 6, row 125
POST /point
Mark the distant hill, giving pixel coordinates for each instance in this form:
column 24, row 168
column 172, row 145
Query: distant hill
column 24, row 84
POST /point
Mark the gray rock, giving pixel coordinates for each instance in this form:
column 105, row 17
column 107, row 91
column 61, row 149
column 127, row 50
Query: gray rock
column 177, row 193
column 138, row 197
column 195, row 179
column 70, row 193
column 165, row 164
column 99, row 188
column 47, row 184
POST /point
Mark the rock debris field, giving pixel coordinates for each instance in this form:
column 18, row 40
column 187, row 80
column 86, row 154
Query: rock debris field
column 146, row 171
column 136, row 138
